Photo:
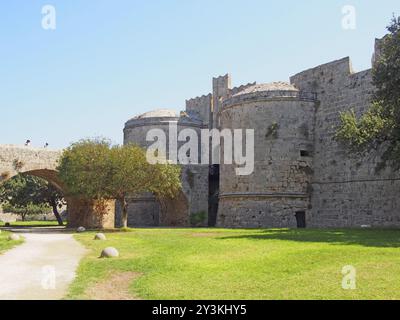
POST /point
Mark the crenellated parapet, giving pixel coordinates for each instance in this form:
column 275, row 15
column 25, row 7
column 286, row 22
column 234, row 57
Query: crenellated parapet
column 201, row 106
column 236, row 90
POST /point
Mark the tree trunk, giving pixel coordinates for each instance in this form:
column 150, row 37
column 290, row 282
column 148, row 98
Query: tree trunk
column 124, row 213
column 56, row 213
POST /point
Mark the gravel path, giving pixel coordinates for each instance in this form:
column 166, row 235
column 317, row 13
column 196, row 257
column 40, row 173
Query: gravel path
column 41, row 268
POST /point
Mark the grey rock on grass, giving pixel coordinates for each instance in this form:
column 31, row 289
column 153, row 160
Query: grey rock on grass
column 109, row 252
column 100, row 236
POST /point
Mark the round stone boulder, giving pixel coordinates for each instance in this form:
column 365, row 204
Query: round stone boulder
column 109, row 252
column 100, row 236
column 81, row 229
column 14, row 237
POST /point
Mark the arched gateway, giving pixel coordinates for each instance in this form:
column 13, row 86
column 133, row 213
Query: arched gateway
column 42, row 163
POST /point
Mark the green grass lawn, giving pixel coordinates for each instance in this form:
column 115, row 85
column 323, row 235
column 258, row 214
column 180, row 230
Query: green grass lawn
column 245, row 264
column 5, row 244
column 31, row 224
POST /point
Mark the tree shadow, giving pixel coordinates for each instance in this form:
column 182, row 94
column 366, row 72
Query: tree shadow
column 380, row 238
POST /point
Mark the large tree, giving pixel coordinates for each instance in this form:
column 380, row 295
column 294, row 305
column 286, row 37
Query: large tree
column 379, row 127
column 95, row 169
column 26, row 195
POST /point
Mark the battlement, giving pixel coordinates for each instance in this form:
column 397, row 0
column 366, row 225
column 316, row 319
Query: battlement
column 333, row 73
column 236, row 90
column 222, row 81
column 201, row 107
column 193, row 102
column 310, row 79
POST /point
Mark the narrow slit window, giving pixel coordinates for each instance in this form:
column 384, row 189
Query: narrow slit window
column 304, row 153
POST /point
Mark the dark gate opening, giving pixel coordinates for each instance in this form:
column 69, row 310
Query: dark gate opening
column 301, row 219
column 213, row 195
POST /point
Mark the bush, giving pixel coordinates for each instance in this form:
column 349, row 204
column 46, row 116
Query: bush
column 198, row 218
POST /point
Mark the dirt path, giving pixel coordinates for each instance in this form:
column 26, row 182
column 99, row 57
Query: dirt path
column 41, row 268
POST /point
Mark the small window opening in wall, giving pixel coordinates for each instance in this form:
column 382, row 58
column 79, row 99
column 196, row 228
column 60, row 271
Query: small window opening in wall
column 301, row 219
column 304, row 153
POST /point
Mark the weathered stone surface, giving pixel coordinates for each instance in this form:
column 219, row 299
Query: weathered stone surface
column 282, row 120
column 91, row 214
column 144, row 209
column 347, row 191
column 14, row 237
column 100, row 236
column 109, row 252
column 300, row 168
column 43, row 163
column 15, row 159
column 81, row 229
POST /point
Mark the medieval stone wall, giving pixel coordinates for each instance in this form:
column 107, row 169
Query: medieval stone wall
column 299, row 166
column 14, row 159
column 144, row 210
column 202, row 107
column 347, row 191
column 283, row 124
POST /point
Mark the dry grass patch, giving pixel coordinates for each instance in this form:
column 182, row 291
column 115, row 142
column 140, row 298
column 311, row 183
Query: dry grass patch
column 205, row 234
column 113, row 287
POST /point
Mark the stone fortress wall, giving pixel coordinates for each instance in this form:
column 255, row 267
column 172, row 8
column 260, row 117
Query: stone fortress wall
column 346, row 191
column 283, row 121
column 192, row 203
column 302, row 176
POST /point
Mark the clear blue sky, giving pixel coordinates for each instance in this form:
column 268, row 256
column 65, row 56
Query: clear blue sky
column 110, row 60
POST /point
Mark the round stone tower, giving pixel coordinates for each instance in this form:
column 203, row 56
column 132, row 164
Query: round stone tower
column 144, row 210
column 277, row 193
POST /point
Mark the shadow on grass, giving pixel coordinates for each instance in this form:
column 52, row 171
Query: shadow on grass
column 381, row 238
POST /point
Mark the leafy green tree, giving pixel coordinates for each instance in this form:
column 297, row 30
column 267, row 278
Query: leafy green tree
column 379, row 127
column 26, row 195
column 94, row 169
column 28, row 209
column 50, row 195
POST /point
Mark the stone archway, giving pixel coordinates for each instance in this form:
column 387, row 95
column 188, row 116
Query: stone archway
column 43, row 163
column 51, row 177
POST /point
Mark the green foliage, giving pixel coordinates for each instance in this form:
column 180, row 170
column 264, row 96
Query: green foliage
column 26, row 194
column 365, row 132
column 29, row 208
column 198, row 218
column 380, row 126
column 95, row 169
column 272, row 131
column 5, row 244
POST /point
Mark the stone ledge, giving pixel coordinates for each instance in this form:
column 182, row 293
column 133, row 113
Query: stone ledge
column 264, row 195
